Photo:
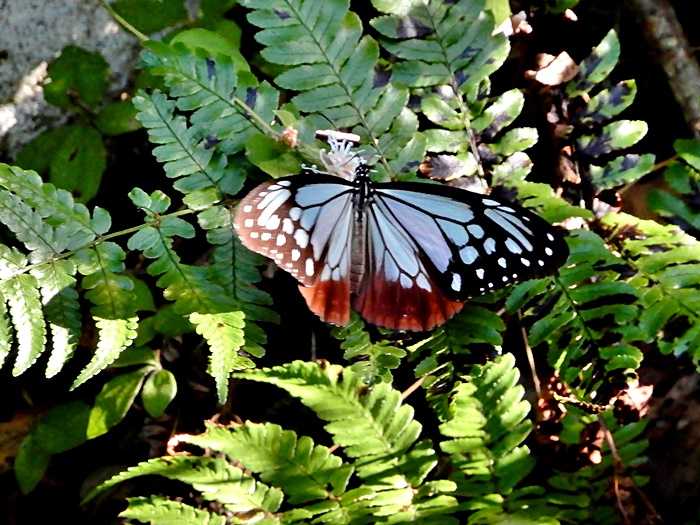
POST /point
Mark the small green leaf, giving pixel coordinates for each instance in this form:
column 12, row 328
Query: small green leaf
column 158, row 391
column 117, row 118
column 136, row 356
column 64, row 427
column 596, row 67
column 689, row 151
column 38, row 154
column 617, row 135
column 609, row 103
column 30, row 464
column 149, row 16
column 622, row 170
column 79, row 163
column 213, row 44
column 114, row 401
column 76, row 73
column 273, row 157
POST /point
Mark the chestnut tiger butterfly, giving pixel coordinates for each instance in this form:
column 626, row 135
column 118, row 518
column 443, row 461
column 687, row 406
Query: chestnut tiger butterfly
column 405, row 255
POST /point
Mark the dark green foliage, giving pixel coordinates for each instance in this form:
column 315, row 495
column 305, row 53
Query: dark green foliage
column 683, row 178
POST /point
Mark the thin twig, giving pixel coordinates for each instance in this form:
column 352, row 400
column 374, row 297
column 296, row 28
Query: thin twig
column 415, row 386
column 530, row 357
column 123, row 22
column 618, row 470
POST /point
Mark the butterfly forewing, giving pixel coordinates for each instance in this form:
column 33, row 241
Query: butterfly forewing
column 472, row 243
column 304, row 223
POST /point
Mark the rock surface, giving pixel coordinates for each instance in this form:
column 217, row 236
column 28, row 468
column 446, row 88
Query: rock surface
column 32, row 33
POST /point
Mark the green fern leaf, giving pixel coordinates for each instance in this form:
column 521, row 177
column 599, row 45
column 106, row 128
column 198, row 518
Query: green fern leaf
column 214, row 478
column 372, row 426
column 377, row 359
column 225, row 107
column 487, row 426
column 29, row 228
column 474, row 325
column 55, row 206
column 184, row 154
column 304, row 471
column 5, row 331
column 163, row 511
column 27, row 317
column 565, row 312
column 62, row 310
column 667, row 263
column 444, row 44
column 224, row 333
column 331, row 64
column 114, row 336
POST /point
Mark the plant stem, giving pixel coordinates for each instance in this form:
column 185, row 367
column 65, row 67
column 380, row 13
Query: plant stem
column 98, row 240
column 123, row 22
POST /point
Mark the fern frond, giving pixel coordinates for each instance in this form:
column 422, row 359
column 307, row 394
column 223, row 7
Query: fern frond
column 583, row 315
column 184, row 153
column 683, row 177
column 62, row 311
column 21, row 291
column 586, row 495
column 163, row 511
column 226, row 108
column 214, row 478
column 114, row 336
column 333, row 67
column 376, row 360
column 452, row 46
column 444, row 43
column 373, row 427
column 55, row 207
column 224, row 332
column 304, row 471
column 217, row 315
column 486, row 428
column 667, row 264
column 474, row 325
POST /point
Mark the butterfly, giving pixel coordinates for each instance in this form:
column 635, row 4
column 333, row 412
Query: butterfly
column 405, row 255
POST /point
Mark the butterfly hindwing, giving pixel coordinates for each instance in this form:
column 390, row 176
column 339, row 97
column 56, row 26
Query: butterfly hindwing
column 398, row 290
column 472, row 243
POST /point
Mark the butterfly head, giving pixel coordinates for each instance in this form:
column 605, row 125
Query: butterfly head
column 362, row 172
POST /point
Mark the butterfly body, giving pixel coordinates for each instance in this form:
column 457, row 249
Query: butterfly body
column 405, row 255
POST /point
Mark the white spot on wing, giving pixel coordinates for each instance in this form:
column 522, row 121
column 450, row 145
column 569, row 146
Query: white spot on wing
column 480, row 273
column 423, row 283
column 281, row 239
column 248, row 223
column 468, row 254
column 476, row 230
column 248, row 208
column 550, row 237
column 548, row 250
column 266, row 236
column 405, row 281
column 525, row 261
column 513, row 246
column 501, row 262
column 309, row 267
column 302, row 238
column 456, row 284
column 489, row 246
column 287, row 226
column 295, row 213
column 295, row 254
